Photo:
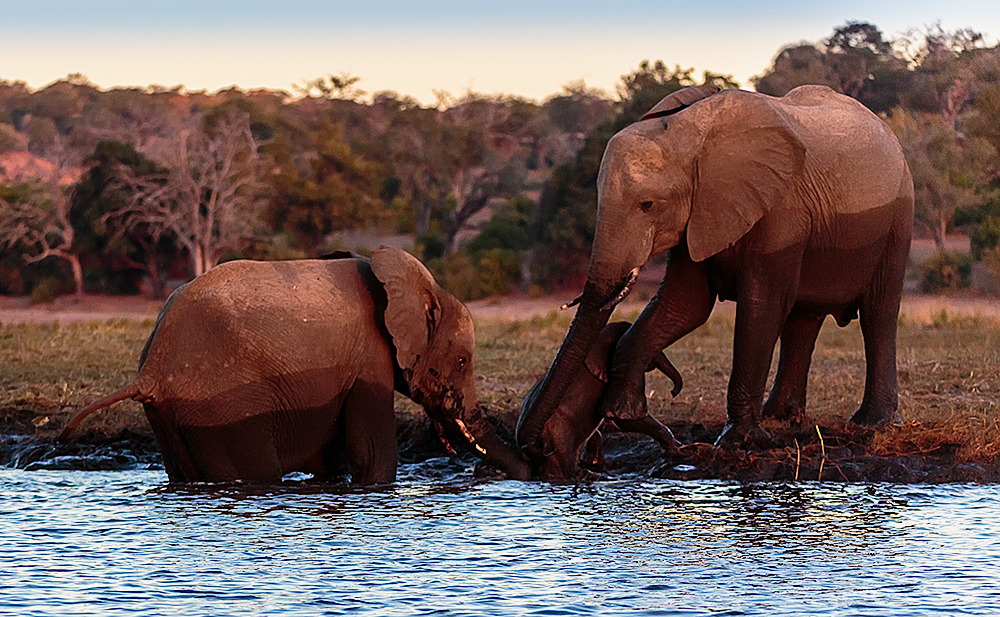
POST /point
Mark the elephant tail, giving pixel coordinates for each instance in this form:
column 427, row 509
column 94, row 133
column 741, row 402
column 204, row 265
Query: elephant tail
column 131, row 391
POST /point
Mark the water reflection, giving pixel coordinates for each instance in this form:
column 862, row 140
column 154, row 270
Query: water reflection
column 441, row 541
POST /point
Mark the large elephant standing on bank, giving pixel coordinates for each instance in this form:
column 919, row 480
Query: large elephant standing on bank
column 257, row 369
column 795, row 207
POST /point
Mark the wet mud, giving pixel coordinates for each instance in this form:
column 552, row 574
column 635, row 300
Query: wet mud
column 801, row 453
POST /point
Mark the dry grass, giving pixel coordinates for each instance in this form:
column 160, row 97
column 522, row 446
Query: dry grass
column 49, row 370
column 949, row 377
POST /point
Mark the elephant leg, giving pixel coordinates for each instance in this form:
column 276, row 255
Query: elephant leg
column 370, row 433
column 879, row 315
column 683, row 302
column 245, row 450
column 787, row 400
column 176, row 459
column 764, row 301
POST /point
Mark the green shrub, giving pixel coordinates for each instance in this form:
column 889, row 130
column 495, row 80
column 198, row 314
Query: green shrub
column 430, row 246
column 472, row 276
column 47, row 290
column 985, row 236
column 946, row 271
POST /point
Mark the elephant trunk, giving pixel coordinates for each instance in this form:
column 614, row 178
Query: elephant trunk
column 490, row 447
column 539, row 405
column 614, row 265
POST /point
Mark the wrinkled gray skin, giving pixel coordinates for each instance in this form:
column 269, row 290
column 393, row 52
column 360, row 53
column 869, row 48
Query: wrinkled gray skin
column 795, row 207
column 574, row 425
column 258, row 369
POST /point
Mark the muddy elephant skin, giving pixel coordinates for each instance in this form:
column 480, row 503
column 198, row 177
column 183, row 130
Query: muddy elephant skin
column 257, row 369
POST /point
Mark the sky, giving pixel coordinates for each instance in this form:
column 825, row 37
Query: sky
column 530, row 48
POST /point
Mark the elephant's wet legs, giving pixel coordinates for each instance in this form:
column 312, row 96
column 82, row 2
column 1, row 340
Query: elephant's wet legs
column 787, row 400
column 176, row 458
column 370, row 434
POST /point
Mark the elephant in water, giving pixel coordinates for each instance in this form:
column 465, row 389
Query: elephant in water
column 795, row 207
column 573, row 427
column 257, row 369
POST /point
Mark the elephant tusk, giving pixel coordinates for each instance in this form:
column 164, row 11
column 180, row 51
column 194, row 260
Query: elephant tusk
column 440, row 433
column 627, row 283
column 468, row 435
column 571, row 303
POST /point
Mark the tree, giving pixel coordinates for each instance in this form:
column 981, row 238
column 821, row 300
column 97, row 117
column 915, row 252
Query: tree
column 209, row 196
column 949, row 69
column 107, row 226
column 337, row 190
column 794, row 66
column 332, row 87
column 36, row 217
column 948, row 169
column 947, row 125
column 856, row 60
column 853, row 53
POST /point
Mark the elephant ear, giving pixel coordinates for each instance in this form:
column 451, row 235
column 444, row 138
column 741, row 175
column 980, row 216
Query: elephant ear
column 749, row 162
column 676, row 101
column 412, row 310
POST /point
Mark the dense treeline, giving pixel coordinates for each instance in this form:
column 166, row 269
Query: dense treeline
column 113, row 190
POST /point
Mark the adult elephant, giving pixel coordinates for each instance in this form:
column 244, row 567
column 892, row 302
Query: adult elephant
column 257, row 369
column 795, row 207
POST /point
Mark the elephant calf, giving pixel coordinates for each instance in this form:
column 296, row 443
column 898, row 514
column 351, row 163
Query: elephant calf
column 575, row 422
column 257, row 369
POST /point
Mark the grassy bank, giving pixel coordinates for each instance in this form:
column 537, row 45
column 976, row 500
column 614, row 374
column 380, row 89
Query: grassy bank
column 949, row 376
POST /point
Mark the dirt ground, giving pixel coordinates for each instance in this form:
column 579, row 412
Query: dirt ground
column 918, row 308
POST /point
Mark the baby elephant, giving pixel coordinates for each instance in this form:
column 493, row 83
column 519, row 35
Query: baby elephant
column 257, row 369
column 575, row 421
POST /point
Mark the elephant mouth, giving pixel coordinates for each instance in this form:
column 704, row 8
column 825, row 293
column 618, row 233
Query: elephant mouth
column 624, row 289
column 451, row 426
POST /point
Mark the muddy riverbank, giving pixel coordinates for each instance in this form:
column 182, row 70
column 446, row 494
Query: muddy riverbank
column 842, row 454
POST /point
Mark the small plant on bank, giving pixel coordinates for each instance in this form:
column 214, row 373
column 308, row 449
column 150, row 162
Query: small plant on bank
column 946, row 272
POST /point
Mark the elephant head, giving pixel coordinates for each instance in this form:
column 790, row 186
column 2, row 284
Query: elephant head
column 434, row 338
column 700, row 168
column 575, row 420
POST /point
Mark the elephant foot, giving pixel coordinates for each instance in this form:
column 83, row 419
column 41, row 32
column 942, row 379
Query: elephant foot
column 787, row 410
column 745, row 438
column 868, row 415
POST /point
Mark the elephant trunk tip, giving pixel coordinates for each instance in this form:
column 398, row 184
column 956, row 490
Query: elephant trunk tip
column 571, row 303
column 625, row 288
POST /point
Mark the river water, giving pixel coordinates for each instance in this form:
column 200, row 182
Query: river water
column 440, row 543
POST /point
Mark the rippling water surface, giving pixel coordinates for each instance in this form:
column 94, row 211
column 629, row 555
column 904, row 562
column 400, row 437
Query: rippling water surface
column 88, row 543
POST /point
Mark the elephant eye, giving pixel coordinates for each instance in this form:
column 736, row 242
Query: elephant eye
column 462, row 361
column 646, row 205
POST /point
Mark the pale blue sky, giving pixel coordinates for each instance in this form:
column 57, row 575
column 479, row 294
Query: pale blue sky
column 525, row 47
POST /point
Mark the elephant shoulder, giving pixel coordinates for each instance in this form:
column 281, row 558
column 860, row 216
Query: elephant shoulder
column 812, row 94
